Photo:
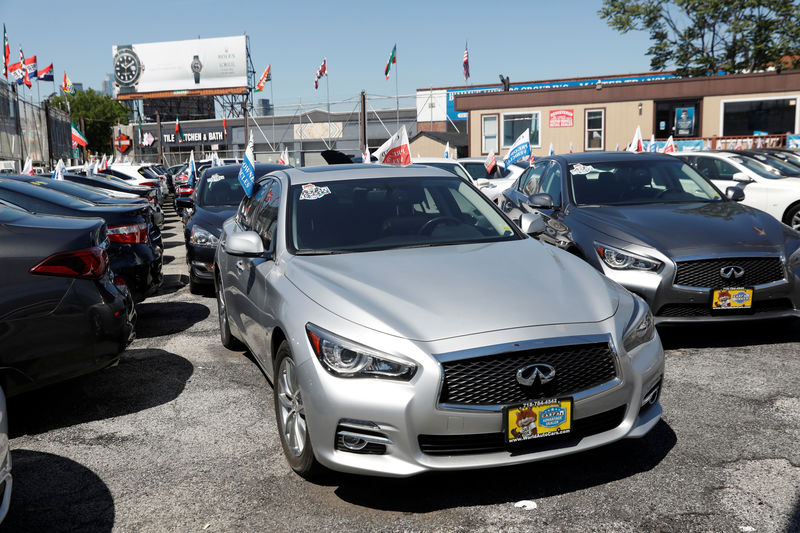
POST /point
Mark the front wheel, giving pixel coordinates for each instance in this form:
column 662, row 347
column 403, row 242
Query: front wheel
column 793, row 217
column 290, row 416
column 225, row 336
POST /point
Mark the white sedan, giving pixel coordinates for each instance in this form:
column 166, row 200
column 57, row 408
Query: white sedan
column 774, row 194
column 501, row 178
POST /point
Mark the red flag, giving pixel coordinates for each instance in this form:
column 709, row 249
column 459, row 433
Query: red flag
column 321, row 71
column 224, row 128
column 466, row 63
column 6, row 52
column 396, row 150
column 490, row 163
column 25, row 79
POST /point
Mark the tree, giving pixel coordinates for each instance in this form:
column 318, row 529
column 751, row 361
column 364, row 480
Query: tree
column 100, row 114
column 702, row 37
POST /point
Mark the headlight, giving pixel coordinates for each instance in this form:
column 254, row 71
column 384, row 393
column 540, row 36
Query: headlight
column 641, row 328
column 203, row 237
column 348, row 359
column 621, row 260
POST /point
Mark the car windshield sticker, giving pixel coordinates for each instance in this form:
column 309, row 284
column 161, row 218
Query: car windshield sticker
column 580, row 170
column 215, row 178
column 312, row 192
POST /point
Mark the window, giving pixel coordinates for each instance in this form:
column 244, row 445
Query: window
column 748, row 117
column 266, row 219
column 595, row 129
column 551, row 184
column 679, row 118
column 489, row 134
column 530, row 179
column 515, row 125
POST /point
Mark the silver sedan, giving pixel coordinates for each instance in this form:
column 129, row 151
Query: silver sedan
column 408, row 326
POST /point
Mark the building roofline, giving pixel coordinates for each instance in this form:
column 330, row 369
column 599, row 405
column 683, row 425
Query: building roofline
column 554, row 80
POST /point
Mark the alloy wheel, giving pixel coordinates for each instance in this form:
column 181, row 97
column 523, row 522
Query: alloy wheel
column 291, row 413
column 795, row 223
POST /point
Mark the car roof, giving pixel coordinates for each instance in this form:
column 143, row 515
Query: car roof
column 304, row 175
column 435, row 160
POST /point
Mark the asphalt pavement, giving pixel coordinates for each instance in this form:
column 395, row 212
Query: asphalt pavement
column 180, row 436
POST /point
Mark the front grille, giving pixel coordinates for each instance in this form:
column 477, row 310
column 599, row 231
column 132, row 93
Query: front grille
column 704, row 310
column 706, row 272
column 491, row 380
column 495, row 442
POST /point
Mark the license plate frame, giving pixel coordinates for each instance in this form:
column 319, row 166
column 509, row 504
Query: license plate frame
column 734, row 298
column 551, row 417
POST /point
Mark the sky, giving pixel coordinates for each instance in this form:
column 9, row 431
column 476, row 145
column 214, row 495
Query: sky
column 526, row 41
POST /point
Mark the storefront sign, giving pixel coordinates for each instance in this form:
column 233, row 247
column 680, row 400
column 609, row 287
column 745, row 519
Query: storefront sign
column 122, row 142
column 196, row 136
column 562, row 118
column 684, row 121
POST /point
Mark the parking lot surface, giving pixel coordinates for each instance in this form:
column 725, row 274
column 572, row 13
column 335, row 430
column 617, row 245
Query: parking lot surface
column 180, row 436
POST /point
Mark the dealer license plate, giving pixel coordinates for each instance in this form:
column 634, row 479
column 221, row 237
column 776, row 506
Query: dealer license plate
column 732, row 299
column 534, row 420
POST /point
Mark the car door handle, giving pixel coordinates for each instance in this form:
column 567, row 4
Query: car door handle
column 240, row 266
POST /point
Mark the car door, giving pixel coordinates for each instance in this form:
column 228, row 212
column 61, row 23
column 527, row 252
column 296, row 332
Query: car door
column 258, row 317
column 756, row 193
column 517, row 196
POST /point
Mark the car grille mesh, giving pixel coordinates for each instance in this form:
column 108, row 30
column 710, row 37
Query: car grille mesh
column 704, row 310
column 491, row 380
column 706, row 272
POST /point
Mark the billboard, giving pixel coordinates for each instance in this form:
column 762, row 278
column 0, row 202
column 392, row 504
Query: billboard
column 179, row 67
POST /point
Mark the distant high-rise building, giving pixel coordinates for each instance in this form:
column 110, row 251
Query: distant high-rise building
column 108, row 85
column 77, row 86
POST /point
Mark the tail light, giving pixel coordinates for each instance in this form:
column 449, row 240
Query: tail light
column 89, row 263
column 185, row 190
column 128, row 233
column 149, row 184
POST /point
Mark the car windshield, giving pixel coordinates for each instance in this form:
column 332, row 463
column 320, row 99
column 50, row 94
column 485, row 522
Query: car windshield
column 478, row 171
column 384, row 213
column 644, row 181
column 759, row 168
column 453, row 168
column 783, row 167
column 218, row 188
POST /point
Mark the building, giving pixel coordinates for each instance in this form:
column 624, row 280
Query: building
column 591, row 114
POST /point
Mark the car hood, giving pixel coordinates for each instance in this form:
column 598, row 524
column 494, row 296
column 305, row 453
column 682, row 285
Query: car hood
column 440, row 292
column 688, row 229
column 211, row 217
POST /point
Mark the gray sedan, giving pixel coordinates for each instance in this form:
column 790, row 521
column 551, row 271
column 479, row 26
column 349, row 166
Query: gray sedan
column 366, row 294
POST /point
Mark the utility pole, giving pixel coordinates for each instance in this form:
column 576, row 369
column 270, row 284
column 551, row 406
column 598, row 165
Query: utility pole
column 47, row 127
column 83, row 131
column 160, row 140
column 362, row 119
column 246, row 138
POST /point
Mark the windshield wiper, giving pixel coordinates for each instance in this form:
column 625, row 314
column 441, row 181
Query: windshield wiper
column 321, row 252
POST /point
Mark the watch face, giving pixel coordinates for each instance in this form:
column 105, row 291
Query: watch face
column 127, row 68
column 196, row 65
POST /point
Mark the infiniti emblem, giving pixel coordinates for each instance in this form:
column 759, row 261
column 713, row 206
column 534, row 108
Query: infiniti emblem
column 731, row 271
column 528, row 375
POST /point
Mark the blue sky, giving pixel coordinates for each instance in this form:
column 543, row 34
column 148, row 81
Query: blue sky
column 534, row 40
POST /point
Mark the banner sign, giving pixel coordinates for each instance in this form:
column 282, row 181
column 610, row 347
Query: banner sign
column 452, row 114
column 562, row 118
column 194, row 136
column 793, row 141
column 219, row 63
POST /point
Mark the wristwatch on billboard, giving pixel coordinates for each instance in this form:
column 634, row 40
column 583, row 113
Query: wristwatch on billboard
column 127, row 69
column 197, row 66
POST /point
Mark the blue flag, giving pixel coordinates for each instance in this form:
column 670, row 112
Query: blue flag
column 520, row 150
column 192, row 170
column 247, row 171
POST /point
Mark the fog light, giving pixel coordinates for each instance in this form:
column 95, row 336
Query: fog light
column 652, row 396
column 353, row 443
column 357, row 436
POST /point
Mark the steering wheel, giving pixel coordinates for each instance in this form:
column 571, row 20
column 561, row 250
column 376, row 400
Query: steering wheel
column 429, row 225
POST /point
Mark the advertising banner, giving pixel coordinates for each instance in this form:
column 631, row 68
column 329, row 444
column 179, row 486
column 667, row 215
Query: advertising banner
column 684, row 121
column 562, row 118
column 219, row 63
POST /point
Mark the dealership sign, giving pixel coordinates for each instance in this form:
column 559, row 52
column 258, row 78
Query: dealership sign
column 195, row 136
column 219, row 63
column 122, row 142
column 562, row 118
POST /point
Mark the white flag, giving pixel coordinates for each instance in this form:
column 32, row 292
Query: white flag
column 520, row 150
column 103, row 164
column 58, row 173
column 490, row 162
column 396, row 150
column 28, row 168
column 284, row 157
column 636, row 144
column 670, row 146
column 447, row 150
column 552, row 150
column 366, row 156
column 111, row 161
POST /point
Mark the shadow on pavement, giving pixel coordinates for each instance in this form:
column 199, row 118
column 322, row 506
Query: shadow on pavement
column 731, row 334
column 142, row 379
column 172, row 283
column 794, row 520
column 166, row 318
column 53, row 493
column 441, row 490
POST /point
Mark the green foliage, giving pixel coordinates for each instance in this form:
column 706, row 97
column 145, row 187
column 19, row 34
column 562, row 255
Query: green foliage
column 100, row 114
column 700, row 37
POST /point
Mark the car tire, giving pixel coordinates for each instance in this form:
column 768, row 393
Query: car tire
column 792, row 218
column 225, row 336
column 195, row 287
column 290, row 417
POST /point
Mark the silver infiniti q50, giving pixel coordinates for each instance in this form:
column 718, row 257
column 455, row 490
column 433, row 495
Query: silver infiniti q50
column 407, row 325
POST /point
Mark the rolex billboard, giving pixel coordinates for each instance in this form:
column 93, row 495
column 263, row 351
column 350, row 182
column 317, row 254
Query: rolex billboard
column 175, row 68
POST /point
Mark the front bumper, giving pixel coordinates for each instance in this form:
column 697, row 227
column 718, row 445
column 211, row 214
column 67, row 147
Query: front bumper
column 201, row 263
column 140, row 266
column 409, row 416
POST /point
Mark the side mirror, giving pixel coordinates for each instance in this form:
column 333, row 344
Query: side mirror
column 532, row 223
column 734, row 193
column 483, row 182
column 244, row 244
column 542, row 200
column 184, row 202
column 742, row 177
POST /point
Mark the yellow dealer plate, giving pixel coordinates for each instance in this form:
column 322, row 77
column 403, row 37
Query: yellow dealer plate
column 732, row 299
column 533, row 420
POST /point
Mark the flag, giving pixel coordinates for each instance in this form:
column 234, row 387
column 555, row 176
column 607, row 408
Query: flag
column 520, row 150
column 392, row 60
column 552, row 151
column 738, row 145
column 224, row 128
column 490, row 162
column 141, row 139
column 215, row 161
column 46, row 74
column 77, row 136
column 670, row 146
column 396, row 150
column 283, row 159
column 17, row 72
column 365, row 156
column 447, row 150
column 58, row 173
column 103, row 164
column 28, row 168
column 267, row 76
column 95, row 170
column 192, row 170
column 617, row 149
column 651, row 146
column 31, row 68
column 86, row 167
column 178, row 130
column 321, row 71
column 707, row 145
column 570, row 148
column 466, row 63
column 719, row 146
column 6, row 52
column 636, row 144
column 759, row 143
column 25, row 78
column 750, row 143
column 247, row 170
column 67, row 87
column 126, row 160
